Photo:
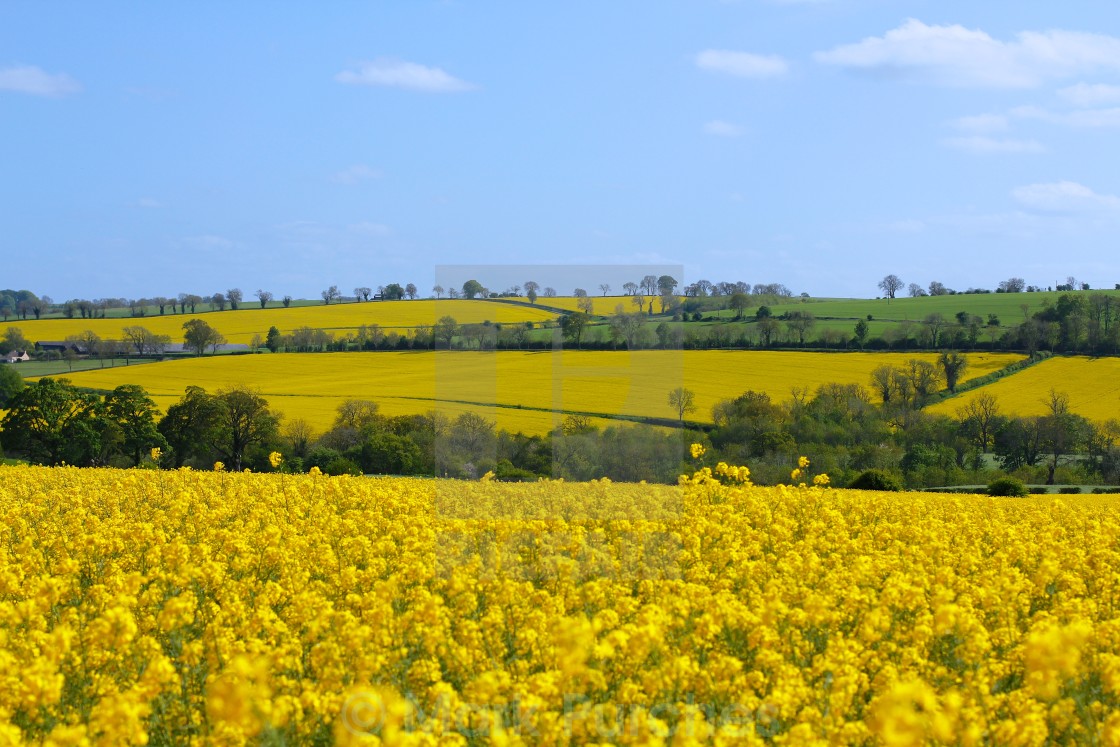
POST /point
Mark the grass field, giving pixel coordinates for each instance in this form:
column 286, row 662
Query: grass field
column 240, row 326
column 1093, row 386
column 312, row 385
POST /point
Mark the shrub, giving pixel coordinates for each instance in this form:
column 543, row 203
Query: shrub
column 1008, row 486
column 1070, row 490
column 876, row 479
column 342, row 466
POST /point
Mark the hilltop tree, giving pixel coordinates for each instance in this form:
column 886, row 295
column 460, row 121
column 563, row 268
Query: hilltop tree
column 666, row 284
column 331, row 294
column 217, row 301
column 649, row 284
column 438, row 290
column 605, row 288
column 198, row 335
column 362, row 293
column 549, row 292
column 531, row 288
column 264, row 297
column 286, row 300
column 890, row 285
column 410, row 291
column 472, row 289
column 630, row 288
column 233, row 295
column 392, row 292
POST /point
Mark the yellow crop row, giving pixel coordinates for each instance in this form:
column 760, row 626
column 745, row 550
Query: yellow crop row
column 240, row 326
column 312, row 385
column 143, row 607
column 1092, row 384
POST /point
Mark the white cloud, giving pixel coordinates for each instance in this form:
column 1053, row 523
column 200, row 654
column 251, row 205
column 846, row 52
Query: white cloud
column 957, row 56
column 401, row 74
column 367, row 228
column 149, row 203
column 722, row 129
column 985, row 144
column 359, row 172
column 981, row 123
column 741, row 64
column 36, row 81
column 1091, row 118
column 1064, row 197
column 1086, row 95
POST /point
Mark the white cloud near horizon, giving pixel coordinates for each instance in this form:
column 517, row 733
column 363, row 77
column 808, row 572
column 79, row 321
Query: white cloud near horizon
column 741, row 64
column 1064, row 197
column 401, row 74
column 970, row 58
column 983, row 144
column 36, row 81
column 721, row 128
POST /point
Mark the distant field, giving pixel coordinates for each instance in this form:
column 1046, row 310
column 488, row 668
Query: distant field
column 1093, row 386
column 312, row 385
column 240, row 326
column 1004, row 305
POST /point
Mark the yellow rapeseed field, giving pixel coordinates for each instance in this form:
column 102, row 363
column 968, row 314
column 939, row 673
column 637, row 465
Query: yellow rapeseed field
column 1093, row 386
column 240, row 326
column 163, row 608
column 601, row 305
column 312, row 385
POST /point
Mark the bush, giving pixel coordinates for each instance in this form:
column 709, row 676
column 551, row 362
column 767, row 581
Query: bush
column 343, row 466
column 1008, row 486
column 876, row 479
column 1071, row 490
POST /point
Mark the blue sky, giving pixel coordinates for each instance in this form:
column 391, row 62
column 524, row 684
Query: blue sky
column 151, row 149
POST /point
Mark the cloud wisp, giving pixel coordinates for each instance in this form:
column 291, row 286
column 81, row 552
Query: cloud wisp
column 741, row 64
column 984, row 144
column 970, row 58
column 36, row 82
column 411, row 76
column 720, row 128
column 1064, row 197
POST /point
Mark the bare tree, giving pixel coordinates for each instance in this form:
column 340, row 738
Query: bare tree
column 361, row 293
column 233, row 295
column 891, row 285
column 605, row 287
column 264, row 297
column 410, row 291
column 331, row 294
column 683, row 401
column 438, row 290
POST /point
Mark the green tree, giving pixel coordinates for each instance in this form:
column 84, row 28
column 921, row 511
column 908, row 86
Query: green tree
column 190, row 425
column 862, row 330
column 739, row 302
column 472, row 288
column 133, row 413
column 952, row 365
column 11, row 384
column 445, row 330
column 666, row 284
column 272, row 339
column 243, row 420
column 198, row 335
column 53, row 422
column 572, row 325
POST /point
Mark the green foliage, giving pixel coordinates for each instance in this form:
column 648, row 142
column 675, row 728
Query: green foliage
column 876, row 479
column 53, row 422
column 11, row 384
column 1009, row 487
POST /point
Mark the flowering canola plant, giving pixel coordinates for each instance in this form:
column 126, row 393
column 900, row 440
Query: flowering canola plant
column 225, row 608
